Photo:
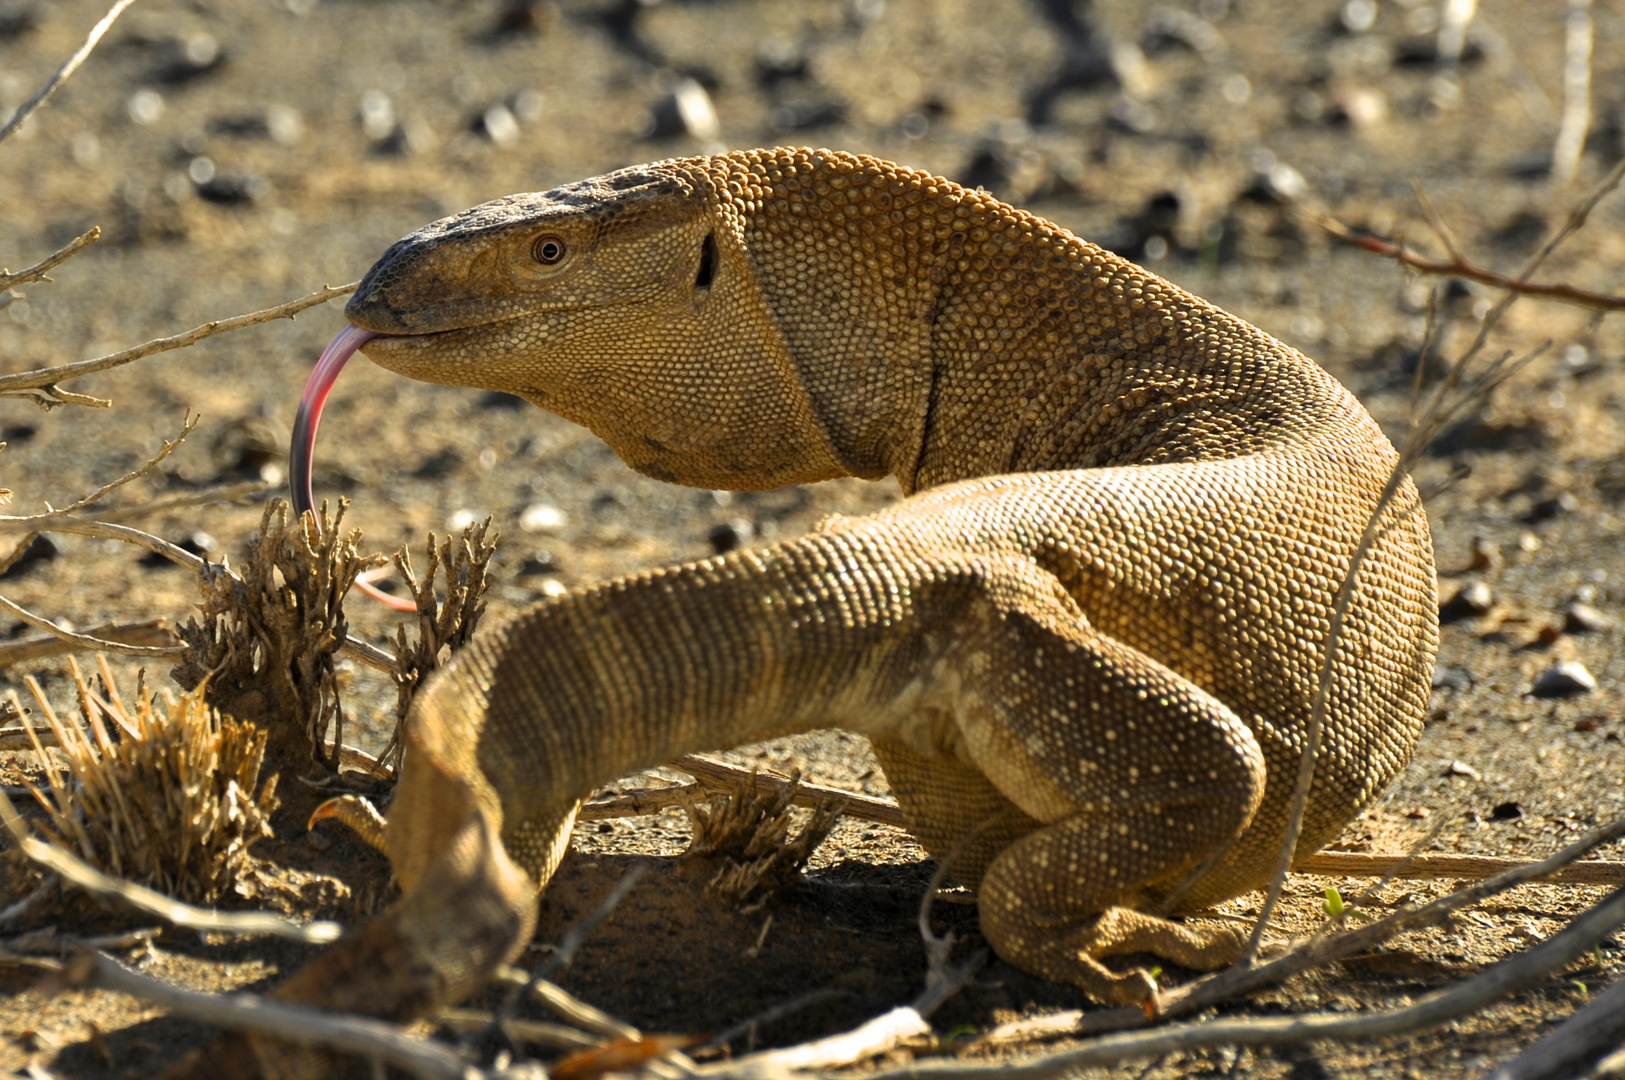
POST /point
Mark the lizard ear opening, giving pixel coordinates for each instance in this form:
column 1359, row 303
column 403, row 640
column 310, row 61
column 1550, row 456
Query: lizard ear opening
column 708, row 262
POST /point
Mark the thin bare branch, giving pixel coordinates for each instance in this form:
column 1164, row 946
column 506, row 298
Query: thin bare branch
column 518, row 1030
column 34, row 522
column 1504, row 978
column 1458, row 867
column 713, row 774
column 44, row 380
column 149, row 632
column 40, row 270
column 1593, row 1030
column 84, row 641
column 21, row 908
column 225, row 493
column 1461, row 267
column 1235, row 981
column 69, row 66
column 1576, row 121
column 568, row 1006
column 93, row 881
column 363, row 1036
column 578, row 934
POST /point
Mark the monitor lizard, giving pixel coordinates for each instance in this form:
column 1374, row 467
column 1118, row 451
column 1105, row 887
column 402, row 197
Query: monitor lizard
column 1084, row 646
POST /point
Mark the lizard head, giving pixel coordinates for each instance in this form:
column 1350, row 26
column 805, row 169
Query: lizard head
column 626, row 303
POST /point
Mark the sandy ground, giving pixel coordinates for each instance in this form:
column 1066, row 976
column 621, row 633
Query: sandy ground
column 240, row 154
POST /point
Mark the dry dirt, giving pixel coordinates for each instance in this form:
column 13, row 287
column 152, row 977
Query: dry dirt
column 238, row 154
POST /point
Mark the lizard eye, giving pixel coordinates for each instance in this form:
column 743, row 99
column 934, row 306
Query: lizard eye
column 547, row 250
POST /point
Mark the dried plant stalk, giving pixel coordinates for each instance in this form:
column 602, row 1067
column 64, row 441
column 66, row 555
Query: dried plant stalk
column 161, row 795
column 443, row 627
column 265, row 644
column 748, row 831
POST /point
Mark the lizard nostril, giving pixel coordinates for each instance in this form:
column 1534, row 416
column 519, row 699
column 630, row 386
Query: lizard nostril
column 547, row 250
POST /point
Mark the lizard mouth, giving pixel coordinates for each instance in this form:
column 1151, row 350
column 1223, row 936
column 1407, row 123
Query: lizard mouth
column 302, row 445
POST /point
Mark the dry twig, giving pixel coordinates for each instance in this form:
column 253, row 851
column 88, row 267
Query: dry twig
column 88, row 642
column 36, row 522
column 1504, row 978
column 1576, row 121
column 41, row 386
column 149, row 632
column 443, row 626
column 1589, row 1034
column 357, row 1035
column 69, row 66
column 651, row 800
column 87, row 877
column 1460, row 266
column 40, row 270
column 1236, row 981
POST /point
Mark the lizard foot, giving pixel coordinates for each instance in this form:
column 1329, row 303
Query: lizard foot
column 1201, row 947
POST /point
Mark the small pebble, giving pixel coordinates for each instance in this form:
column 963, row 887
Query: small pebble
column 553, row 587
column 542, row 518
column 730, row 536
column 1452, row 678
column 1588, row 723
column 1472, row 599
column 1556, row 506
column 1486, row 555
column 1421, row 813
column 1566, row 678
column 1461, row 768
column 541, row 562
column 1585, row 619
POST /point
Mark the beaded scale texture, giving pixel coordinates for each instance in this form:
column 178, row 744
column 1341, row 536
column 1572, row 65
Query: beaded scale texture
column 1085, row 649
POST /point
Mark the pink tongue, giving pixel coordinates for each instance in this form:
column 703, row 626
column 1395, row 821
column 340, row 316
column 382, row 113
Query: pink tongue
column 301, row 453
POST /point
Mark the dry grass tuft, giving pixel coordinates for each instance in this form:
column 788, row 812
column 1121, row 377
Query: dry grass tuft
column 443, row 626
column 747, row 831
column 265, row 644
column 162, row 794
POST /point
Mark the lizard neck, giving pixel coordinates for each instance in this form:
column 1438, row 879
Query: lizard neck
column 942, row 335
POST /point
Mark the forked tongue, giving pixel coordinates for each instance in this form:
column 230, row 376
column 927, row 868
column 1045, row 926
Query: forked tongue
column 301, row 454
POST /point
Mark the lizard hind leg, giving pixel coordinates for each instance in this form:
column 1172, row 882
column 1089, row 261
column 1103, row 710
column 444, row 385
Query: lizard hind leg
column 1134, row 776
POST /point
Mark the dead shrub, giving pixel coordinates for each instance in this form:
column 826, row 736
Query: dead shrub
column 747, row 831
column 162, row 794
column 443, row 627
column 265, row 643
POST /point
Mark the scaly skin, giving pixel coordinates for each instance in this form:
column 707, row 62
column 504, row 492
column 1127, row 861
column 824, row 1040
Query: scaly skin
column 1087, row 644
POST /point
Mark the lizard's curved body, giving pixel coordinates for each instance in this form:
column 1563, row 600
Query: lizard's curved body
column 1088, row 641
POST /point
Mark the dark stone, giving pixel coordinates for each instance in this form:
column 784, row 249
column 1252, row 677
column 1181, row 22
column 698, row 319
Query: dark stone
column 439, row 464
column 1453, row 678
column 1507, row 811
column 229, row 189
column 539, row 562
column 1555, row 506
column 41, row 549
column 729, row 536
column 1471, row 600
